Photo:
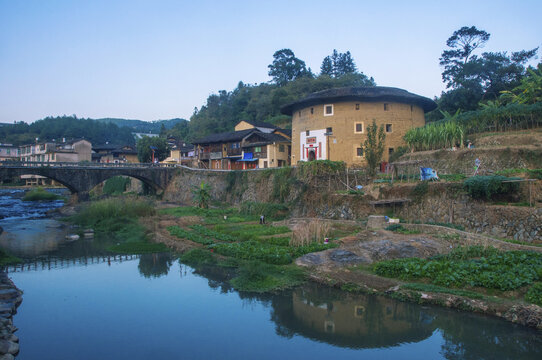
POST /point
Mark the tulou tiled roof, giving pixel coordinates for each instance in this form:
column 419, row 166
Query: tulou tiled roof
column 362, row 94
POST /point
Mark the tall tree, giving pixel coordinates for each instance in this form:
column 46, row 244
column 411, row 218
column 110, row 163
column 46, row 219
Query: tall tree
column 374, row 146
column 144, row 150
column 286, row 67
column 474, row 78
column 462, row 43
column 338, row 64
column 327, row 67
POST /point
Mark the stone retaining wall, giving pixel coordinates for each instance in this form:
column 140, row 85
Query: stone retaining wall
column 511, row 222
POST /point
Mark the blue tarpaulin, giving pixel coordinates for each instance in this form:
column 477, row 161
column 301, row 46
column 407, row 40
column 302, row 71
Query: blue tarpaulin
column 248, row 157
column 428, row 174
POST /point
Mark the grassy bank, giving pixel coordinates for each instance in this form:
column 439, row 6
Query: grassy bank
column 251, row 276
column 261, row 253
column 115, row 222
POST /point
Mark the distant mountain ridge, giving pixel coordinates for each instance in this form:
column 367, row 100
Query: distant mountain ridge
column 140, row 126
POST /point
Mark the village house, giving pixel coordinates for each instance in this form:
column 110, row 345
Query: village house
column 65, row 151
column 114, row 154
column 252, row 145
column 71, row 151
column 9, row 152
column 181, row 153
column 332, row 124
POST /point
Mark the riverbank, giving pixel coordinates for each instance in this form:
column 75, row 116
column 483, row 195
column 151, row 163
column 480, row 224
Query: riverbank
column 349, row 265
column 10, row 299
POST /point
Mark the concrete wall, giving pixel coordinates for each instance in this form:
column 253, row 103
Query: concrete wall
column 344, row 141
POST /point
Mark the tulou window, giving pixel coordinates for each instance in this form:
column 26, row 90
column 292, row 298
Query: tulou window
column 359, row 128
column 388, row 128
column 328, row 110
column 359, row 152
column 386, row 107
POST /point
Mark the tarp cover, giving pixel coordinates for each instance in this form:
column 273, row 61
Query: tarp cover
column 428, row 174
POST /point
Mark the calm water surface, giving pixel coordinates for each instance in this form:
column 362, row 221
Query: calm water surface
column 78, row 303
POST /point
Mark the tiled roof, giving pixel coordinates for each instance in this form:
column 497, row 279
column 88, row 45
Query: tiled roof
column 362, row 94
column 224, row 137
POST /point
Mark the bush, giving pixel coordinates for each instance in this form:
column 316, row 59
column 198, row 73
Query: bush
column 116, row 185
column 420, row 190
column 535, row 173
column 40, row 194
column 486, row 187
column 534, row 294
column 320, row 168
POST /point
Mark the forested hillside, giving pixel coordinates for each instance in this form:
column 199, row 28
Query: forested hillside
column 291, row 82
column 97, row 131
column 141, row 126
column 69, row 127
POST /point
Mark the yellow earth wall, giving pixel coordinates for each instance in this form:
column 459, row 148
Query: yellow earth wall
column 343, row 143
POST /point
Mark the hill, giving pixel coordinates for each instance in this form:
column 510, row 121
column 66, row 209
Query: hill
column 141, row 126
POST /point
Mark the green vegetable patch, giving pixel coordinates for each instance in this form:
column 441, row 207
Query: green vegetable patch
column 473, row 267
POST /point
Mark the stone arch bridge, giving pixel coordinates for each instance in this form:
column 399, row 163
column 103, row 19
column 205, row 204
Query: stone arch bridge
column 81, row 178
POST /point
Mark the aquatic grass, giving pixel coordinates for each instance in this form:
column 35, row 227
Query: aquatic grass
column 116, row 208
column 138, row 248
column 255, row 276
column 8, row 259
column 116, row 220
column 198, row 257
column 40, row 194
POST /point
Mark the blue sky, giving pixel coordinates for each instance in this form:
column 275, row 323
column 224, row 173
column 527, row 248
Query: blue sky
column 158, row 59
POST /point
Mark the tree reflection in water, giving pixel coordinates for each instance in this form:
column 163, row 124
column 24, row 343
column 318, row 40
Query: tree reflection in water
column 366, row 321
column 155, row 265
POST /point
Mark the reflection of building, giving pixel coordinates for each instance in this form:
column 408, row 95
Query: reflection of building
column 114, row 154
column 332, row 124
column 360, row 321
column 251, row 145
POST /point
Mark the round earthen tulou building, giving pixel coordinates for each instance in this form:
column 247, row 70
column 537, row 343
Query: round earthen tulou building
column 332, row 124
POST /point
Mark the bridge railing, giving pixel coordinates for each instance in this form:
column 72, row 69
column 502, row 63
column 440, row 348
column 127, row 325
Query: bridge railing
column 85, row 165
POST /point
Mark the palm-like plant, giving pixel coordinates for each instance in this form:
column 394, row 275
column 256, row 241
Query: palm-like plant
column 202, row 195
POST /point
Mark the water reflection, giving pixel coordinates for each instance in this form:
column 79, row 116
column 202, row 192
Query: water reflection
column 155, row 265
column 327, row 315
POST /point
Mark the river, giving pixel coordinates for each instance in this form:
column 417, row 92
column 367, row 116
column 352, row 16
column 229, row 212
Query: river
column 80, row 303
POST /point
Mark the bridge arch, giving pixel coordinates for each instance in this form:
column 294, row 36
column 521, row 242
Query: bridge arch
column 81, row 179
column 63, row 182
